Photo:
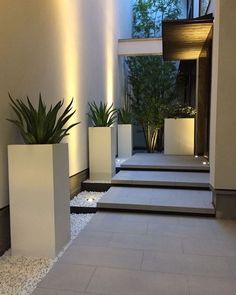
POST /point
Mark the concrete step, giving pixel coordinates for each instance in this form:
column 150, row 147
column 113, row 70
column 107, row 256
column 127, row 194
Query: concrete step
column 162, row 178
column 144, row 161
column 158, row 200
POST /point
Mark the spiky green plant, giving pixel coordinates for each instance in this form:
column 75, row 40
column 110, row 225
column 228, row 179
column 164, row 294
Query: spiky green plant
column 39, row 126
column 102, row 115
column 124, row 116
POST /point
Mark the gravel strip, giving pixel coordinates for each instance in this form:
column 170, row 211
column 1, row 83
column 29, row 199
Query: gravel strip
column 86, row 199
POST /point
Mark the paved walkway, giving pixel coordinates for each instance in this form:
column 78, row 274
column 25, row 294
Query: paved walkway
column 133, row 254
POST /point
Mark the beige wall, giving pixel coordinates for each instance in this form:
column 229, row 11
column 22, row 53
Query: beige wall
column 223, row 101
column 64, row 49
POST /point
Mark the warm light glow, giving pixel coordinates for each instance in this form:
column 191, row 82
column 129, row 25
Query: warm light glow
column 91, row 200
column 110, row 53
column 204, row 163
column 196, row 156
column 69, row 30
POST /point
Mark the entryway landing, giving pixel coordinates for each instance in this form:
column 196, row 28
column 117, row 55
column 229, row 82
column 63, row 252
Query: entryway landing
column 159, row 161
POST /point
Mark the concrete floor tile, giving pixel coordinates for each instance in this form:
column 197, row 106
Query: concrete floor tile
column 232, row 265
column 148, row 242
column 68, row 277
column 181, row 231
column 213, row 247
column 186, row 264
column 41, row 291
column 126, row 227
column 91, row 238
column 211, row 286
column 123, row 282
column 103, row 256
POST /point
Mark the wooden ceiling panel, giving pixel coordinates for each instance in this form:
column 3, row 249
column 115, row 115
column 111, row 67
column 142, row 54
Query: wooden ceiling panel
column 184, row 39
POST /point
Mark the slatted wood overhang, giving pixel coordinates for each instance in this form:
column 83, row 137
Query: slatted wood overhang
column 184, row 39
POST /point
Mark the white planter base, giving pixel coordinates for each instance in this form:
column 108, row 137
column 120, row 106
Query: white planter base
column 179, row 136
column 125, row 140
column 102, row 152
column 39, row 199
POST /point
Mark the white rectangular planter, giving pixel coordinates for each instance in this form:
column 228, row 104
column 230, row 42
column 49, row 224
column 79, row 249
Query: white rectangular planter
column 179, row 136
column 39, row 199
column 102, row 152
column 125, row 140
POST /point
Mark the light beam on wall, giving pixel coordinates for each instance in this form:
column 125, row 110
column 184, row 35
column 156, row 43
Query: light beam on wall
column 110, row 50
column 69, row 33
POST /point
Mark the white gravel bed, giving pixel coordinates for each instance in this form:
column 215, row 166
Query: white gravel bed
column 20, row 275
column 86, row 199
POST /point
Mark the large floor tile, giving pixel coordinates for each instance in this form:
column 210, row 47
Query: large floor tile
column 42, row 291
column 232, row 265
column 186, row 264
column 93, row 238
column 103, row 256
column 211, row 286
column 193, row 221
column 123, row 282
column 182, row 231
column 148, row 242
column 209, row 247
column 68, row 277
column 121, row 226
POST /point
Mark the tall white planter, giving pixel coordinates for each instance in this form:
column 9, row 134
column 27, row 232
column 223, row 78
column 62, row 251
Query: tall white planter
column 125, row 140
column 102, row 152
column 179, row 136
column 39, row 199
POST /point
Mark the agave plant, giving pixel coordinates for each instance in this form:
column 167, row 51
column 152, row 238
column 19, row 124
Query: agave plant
column 124, row 116
column 102, row 115
column 39, row 126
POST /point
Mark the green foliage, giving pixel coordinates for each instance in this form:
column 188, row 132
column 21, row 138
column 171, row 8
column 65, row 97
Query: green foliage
column 181, row 111
column 124, row 116
column 102, row 115
column 150, row 76
column 149, row 113
column 149, row 14
column 153, row 81
column 39, row 126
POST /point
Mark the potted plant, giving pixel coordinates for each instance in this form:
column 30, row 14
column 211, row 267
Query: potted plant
column 39, row 180
column 179, row 130
column 102, row 141
column 125, row 133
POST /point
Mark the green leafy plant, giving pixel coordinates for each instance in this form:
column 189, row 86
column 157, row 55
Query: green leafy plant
column 124, row 116
column 151, row 80
column 181, row 111
column 149, row 113
column 39, row 126
column 102, row 115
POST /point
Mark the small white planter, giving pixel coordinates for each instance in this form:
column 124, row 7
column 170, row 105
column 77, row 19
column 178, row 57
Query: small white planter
column 125, row 140
column 102, row 152
column 39, row 199
column 179, row 136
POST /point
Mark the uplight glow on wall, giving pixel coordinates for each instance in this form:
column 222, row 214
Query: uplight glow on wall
column 68, row 18
column 110, row 50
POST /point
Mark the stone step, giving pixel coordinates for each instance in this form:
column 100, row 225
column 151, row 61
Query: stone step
column 142, row 161
column 162, row 179
column 158, row 200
